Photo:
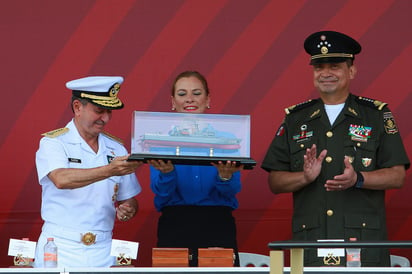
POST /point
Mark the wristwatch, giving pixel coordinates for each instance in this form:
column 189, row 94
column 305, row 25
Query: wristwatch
column 224, row 179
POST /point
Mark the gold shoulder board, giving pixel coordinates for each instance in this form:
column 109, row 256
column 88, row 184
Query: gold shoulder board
column 299, row 106
column 371, row 102
column 117, row 139
column 56, row 132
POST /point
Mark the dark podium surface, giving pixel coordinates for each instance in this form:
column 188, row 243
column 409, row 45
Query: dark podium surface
column 281, row 245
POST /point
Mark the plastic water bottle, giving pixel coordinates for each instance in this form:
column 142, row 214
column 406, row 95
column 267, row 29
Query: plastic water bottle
column 50, row 253
column 353, row 256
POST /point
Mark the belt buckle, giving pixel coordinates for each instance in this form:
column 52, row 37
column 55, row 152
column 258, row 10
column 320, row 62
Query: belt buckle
column 88, row 238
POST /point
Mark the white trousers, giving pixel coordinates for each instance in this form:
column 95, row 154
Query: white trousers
column 71, row 252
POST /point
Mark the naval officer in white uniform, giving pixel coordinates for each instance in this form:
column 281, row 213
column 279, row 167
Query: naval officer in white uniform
column 85, row 177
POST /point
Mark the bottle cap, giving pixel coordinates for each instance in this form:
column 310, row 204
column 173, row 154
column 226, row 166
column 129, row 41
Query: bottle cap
column 353, row 239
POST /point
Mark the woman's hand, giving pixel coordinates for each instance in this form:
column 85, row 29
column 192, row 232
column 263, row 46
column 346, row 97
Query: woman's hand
column 162, row 166
column 227, row 169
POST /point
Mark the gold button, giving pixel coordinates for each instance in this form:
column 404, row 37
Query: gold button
column 363, row 224
column 302, row 145
column 303, row 226
column 358, row 144
column 328, row 159
column 329, row 134
column 329, row 212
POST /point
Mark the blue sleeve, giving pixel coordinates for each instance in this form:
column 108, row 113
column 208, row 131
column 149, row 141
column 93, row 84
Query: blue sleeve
column 193, row 185
column 162, row 184
column 231, row 187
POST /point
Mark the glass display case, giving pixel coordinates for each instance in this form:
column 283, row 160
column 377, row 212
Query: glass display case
column 186, row 138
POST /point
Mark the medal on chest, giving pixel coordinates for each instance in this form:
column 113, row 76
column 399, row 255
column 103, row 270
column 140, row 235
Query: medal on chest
column 304, row 134
column 359, row 133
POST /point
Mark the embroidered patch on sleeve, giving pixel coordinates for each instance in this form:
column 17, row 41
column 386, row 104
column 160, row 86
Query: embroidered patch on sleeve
column 389, row 123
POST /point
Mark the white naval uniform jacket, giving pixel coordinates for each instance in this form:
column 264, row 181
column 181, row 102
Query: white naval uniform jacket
column 91, row 207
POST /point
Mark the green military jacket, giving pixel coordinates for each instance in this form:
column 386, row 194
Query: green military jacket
column 366, row 131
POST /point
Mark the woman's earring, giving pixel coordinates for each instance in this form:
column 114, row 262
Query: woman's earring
column 208, row 106
column 173, row 108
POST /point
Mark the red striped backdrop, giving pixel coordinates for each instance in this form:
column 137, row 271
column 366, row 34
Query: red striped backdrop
column 251, row 52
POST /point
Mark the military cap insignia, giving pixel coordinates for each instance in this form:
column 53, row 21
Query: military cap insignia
column 114, row 90
column 56, row 132
column 324, row 45
column 299, row 106
column 389, row 123
column 371, row 102
column 114, row 138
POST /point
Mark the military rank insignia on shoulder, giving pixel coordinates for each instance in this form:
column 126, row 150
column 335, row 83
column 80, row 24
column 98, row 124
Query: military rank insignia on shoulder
column 56, row 132
column 371, row 102
column 300, row 106
column 114, row 138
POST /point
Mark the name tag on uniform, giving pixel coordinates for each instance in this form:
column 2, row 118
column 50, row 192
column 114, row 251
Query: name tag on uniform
column 74, row 160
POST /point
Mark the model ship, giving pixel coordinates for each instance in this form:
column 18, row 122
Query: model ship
column 190, row 136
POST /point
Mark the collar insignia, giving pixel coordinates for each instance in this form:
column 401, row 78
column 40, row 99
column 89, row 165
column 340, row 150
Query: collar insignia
column 351, row 110
column 316, row 112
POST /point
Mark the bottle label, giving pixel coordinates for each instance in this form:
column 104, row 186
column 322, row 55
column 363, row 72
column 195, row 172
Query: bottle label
column 50, row 257
column 354, row 257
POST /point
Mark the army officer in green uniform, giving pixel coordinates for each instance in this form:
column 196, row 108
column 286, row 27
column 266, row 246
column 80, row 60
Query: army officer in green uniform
column 337, row 154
